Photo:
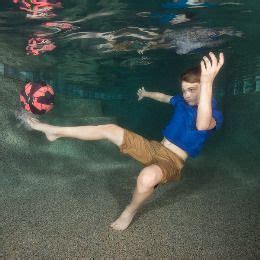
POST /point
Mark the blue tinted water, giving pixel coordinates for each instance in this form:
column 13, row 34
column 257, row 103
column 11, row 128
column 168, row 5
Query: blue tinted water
column 112, row 49
column 107, row 50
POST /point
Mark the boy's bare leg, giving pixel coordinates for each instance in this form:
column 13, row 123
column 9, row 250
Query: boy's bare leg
column 147, row 179
column 111, row 132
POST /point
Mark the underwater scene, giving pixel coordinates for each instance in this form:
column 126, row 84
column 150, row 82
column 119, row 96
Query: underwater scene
column 129, row 129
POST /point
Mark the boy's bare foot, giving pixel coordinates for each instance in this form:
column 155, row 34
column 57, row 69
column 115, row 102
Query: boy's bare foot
column 124, row 220
column 31, row 122
column 45, row 128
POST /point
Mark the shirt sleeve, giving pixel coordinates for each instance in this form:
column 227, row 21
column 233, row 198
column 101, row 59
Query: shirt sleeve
column 175, row 100
column 217, row 114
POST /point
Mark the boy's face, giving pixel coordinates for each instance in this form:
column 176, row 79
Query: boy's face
column 191, row 92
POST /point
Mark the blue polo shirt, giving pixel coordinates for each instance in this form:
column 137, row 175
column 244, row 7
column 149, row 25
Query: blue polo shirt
column 182, row 131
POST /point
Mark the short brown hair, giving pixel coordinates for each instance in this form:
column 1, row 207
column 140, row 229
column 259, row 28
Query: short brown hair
column 191, row 75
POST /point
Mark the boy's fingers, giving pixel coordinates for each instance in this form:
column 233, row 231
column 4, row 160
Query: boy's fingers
column 213, row 59
column 207, row 62
column 202, row 65
column 221, row 60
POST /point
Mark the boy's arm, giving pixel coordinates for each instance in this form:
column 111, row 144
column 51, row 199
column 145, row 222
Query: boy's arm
column 209, row 70
column 153, row 95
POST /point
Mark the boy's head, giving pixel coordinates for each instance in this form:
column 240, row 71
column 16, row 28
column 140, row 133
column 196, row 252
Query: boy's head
column 190, row 84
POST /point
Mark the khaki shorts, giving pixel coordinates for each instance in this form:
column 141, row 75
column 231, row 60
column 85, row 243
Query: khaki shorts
column 152, row 152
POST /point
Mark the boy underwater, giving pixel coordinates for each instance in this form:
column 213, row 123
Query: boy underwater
column 194, row 119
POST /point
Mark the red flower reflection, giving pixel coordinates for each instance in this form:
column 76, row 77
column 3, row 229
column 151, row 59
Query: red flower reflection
column 38, row 9
column 38, row 45
column 59, row 25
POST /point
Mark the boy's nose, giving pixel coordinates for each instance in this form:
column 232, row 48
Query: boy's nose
column 186, row 95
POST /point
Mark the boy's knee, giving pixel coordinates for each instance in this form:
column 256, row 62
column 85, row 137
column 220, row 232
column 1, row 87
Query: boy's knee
column 112, row 132
column 110, row 128
column 149, row 177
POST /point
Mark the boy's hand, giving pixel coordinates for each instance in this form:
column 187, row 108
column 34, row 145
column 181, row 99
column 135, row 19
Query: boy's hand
column 141, row 93
column 209, row 69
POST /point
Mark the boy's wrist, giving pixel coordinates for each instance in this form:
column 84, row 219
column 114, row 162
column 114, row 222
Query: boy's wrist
column 207, row 79
column 146, row 94
column 206, row 83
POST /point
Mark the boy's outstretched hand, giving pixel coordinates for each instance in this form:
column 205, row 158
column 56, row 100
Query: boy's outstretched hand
column 141, row 93
column 210, row 67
